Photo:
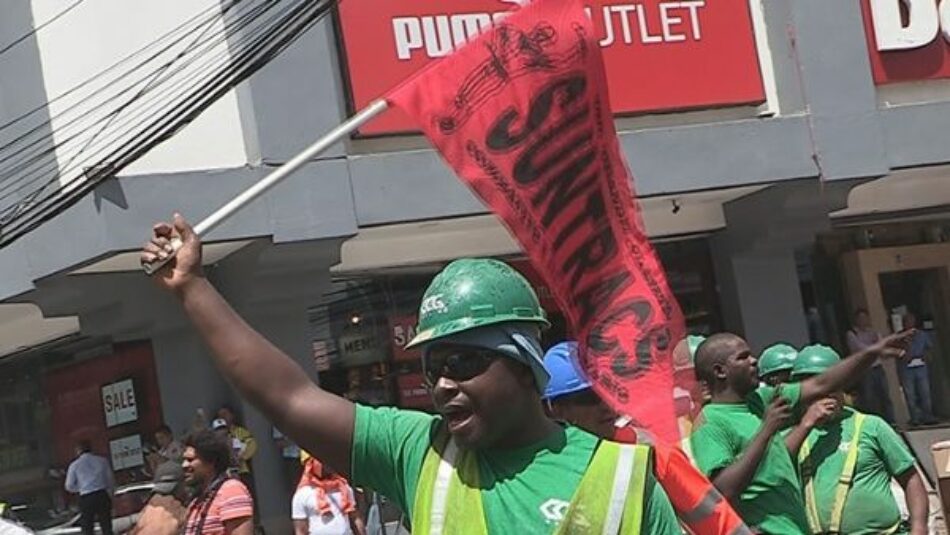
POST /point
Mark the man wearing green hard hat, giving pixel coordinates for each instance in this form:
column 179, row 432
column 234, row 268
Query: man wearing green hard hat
column 739, row 444
column 847, row 459
column 775, row 364
column 490, row 461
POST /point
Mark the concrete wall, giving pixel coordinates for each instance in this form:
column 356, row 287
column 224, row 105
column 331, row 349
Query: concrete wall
column 94, row 36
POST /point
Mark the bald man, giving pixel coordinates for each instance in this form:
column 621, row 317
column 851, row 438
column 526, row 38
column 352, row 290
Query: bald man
column 738, row 445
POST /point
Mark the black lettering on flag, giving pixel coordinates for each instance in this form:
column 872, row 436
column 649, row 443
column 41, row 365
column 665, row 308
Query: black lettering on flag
column 598, row 294
column 590, row 253
column 501, row 136
column 530, row 167
column 564, row 187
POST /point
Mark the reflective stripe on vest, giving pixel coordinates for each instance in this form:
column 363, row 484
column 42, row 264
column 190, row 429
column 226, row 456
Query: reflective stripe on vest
column 448, row 498
column 844, row 482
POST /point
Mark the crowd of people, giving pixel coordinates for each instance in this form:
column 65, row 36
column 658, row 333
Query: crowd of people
column 777, row 448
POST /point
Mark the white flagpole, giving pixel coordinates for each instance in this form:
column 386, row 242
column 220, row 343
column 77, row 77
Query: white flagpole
column 241, row 200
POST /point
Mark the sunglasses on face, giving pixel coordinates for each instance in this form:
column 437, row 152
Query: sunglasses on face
column 460, row 365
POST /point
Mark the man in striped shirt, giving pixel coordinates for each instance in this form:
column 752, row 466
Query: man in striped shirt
column 222, row 505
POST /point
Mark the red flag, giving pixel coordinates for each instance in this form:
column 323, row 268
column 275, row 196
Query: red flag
column 522, row 115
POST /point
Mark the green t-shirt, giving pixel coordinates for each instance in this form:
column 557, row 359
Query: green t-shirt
column 870, row 505
column 773, row 500
column 525, row 490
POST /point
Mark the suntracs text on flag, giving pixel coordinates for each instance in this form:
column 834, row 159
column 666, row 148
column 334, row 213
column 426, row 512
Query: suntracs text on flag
column 522, row 115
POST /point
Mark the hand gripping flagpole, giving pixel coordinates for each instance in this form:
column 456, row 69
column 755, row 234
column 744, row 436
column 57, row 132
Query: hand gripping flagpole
column 241, row 200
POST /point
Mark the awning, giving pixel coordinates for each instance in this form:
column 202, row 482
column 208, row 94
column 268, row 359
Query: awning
column 404, row 246
column 22, row 326
column 904, row 195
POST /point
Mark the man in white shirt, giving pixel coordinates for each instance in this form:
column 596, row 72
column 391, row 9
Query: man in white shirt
column 90, row 476
column 875, row 398
column 324, row 503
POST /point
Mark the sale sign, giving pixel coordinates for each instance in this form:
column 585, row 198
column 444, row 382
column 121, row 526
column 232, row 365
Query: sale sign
column 403, row 329
column 118, row 403
column 908, row 40
column 660, row 55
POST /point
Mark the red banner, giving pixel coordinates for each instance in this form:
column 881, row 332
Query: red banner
column 523, row 116
column 660, row 55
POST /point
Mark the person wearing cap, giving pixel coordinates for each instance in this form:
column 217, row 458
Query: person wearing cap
column 738, row 443
column 571, row 398
column 490, row 455
column 847, row 459
column 775, row 364
column 164, row 513
column 242, row 441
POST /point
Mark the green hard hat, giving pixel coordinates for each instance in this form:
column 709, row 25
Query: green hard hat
column 813, row 360
column 692, row 342
column 777, row 358
column 475, row 292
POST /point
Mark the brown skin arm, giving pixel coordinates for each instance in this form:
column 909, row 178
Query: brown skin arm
column 734, row 479
column 817, row 413
column 839, row 376
column 318, row 421
column 301, row 527
column 918, row 503
column 239, row 526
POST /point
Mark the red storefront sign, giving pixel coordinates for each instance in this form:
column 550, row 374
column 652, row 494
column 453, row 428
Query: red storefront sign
column 412, row 391
column 403, row 329
column 660, row 55
column 906, row 41
column 79, row 411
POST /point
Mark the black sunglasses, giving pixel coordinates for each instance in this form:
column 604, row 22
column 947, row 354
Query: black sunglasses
column 460, row 365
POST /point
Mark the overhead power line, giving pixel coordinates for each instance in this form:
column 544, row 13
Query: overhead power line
column 112, row 119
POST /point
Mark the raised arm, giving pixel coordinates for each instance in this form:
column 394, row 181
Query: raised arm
column 319, row 421
column 850, row 369
column 734, row 479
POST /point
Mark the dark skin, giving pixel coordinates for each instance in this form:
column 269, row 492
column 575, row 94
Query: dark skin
column 320, row 422
column 498, row 408
column 585, row 410
column 777, row 378
column 736, row 378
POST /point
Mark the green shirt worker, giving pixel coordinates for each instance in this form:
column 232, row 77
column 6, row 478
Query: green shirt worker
column 738, row 444
column 775, row 364
column 847, row 459
column 490, row 460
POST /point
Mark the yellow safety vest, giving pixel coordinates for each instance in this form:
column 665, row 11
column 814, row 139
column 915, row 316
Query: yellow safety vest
column 844, row 483
column 448, row 498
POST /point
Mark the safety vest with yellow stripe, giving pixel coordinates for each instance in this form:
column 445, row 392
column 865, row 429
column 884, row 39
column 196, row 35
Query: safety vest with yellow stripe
column 844, row 483
column 448, row 498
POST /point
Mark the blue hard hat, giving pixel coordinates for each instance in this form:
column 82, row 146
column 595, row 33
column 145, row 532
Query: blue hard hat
column 566, row 377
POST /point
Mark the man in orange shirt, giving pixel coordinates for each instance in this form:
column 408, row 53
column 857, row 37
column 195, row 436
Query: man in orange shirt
column 222, row 505
column 569, row 397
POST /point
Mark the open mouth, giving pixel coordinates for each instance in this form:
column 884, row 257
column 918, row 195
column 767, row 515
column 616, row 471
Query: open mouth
column 457, row 417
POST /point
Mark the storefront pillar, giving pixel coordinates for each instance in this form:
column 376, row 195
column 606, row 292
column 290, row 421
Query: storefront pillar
column 755, row 258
